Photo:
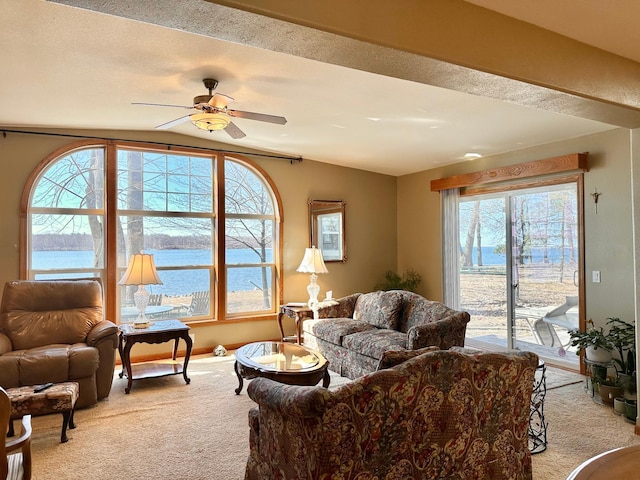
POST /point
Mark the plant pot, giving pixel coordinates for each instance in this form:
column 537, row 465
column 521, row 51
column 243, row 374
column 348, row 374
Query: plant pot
column 631, row 409
column 608, row 393
column 599, row 355
column 619, row 406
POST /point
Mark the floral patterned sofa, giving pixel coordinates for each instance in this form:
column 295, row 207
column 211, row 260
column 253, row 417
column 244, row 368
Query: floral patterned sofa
column 353, row 334
column 442, row 414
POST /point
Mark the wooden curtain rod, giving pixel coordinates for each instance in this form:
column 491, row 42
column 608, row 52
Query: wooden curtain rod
column 563, row 163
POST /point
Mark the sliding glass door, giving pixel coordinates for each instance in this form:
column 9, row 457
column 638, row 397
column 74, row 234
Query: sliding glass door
column 519, row 269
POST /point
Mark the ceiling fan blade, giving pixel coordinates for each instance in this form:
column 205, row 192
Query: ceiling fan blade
column 173, row 123
column 234, row 132
column 160, row 105
column 262, row 117
column 220, row 100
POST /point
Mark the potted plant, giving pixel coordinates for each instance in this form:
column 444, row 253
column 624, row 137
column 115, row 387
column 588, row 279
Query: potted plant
column 595, row 343
column 610, row 389
column 409, row 280
column 622, row 336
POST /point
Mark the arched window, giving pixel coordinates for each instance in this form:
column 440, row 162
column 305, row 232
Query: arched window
column 212, row 222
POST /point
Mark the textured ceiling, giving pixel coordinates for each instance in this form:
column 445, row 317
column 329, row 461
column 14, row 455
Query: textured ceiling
column 347, row 102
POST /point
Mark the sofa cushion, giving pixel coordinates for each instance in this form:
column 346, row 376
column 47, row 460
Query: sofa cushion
column 418, row 311
column 38, row 313
column 372, row 343
column 333, row 330
column 391, row 358
column 380, row 309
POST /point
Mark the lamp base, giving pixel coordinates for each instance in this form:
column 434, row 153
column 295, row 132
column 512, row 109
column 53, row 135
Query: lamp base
column 141, row 325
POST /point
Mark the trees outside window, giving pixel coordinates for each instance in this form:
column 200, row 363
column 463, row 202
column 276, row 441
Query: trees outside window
column 211, row 221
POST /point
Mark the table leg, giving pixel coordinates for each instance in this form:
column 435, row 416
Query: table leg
column 187, row 355
column 126, row 361
column 298, row 329
column 280, row 325
column 175, row 347
column 326, row 380
column 236, row 367
column 121, row 354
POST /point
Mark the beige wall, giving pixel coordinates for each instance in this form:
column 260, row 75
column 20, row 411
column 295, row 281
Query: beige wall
column 370, row 223
column 608, row 235
column 373, row 208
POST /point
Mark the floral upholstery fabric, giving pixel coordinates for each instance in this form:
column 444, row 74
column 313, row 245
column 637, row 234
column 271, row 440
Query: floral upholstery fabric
column 373, row 343
column 344, row 308
column 380, row 309
column 354, row 345
column 56, row 399
column 440, row 415
column 391, row 358
column 335, row 329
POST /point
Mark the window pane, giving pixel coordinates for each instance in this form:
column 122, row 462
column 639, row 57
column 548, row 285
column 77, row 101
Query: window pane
column 66, row 241
column 183, row 294
column 74, row 181
column 174, row 241
column 66, row 276
column 249, row 241
column 249, row 289
column 245, row 192
column 154, row 181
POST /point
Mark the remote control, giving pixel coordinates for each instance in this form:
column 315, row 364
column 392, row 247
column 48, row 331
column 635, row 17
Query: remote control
column 42, row 387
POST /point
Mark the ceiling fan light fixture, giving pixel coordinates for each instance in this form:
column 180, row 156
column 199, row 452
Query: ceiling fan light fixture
column 210, row 121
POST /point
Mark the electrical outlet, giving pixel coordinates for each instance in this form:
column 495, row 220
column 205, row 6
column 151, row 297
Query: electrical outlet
column 596, row 276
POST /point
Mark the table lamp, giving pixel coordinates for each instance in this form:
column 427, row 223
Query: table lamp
column 141, row 271
column 313, row 263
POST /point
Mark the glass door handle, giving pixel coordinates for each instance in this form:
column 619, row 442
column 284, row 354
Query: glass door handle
column 575, row 278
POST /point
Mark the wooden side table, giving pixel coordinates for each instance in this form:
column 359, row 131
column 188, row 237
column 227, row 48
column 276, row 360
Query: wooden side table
column 158, row 332
column 298, row 313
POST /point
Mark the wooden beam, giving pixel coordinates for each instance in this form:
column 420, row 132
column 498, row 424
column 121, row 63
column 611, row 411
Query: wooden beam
column 563, row 163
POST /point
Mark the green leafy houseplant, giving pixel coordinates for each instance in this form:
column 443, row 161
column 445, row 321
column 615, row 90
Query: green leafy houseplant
column 591, row 338
column 622, row 336
column 409, row 280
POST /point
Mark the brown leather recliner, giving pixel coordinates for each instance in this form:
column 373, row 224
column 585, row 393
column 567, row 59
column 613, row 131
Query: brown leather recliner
column 55, row 331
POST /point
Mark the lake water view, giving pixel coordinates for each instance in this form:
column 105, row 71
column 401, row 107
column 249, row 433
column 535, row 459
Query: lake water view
column 175, row 282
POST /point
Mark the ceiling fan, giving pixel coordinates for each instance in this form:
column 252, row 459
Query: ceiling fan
column 214, row 113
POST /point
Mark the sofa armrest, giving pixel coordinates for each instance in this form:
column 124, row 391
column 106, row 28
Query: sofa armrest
column 5, row 344
column 344, row 308
column 288, row 400
column 103, row 330
column 444, row 333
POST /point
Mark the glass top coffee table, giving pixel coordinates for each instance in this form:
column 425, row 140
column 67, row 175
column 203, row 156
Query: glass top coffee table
column 283, row 362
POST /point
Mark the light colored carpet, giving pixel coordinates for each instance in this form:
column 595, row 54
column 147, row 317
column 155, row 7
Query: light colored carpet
column 165, row 429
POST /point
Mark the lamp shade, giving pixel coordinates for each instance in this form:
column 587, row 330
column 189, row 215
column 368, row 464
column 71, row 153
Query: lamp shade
column 210, row 121
column 141, row 271
column 312, row 262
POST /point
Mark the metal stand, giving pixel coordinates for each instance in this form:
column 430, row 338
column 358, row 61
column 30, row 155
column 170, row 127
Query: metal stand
column 537, row 425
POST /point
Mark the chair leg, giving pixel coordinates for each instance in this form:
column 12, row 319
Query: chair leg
column 10, row 432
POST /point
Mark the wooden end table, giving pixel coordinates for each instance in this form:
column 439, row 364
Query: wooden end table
column 283, row 362
column 157, row 332
column 298, row 313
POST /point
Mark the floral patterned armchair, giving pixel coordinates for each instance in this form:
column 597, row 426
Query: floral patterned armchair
column 442, row 414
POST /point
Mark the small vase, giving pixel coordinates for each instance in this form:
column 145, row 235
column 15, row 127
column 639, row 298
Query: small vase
column 631, row 409
column 618, row 406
